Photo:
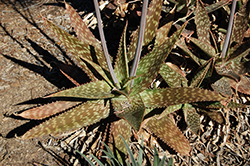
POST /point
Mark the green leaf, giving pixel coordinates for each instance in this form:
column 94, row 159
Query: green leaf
column 121, row 65
column 218, row 105
column 181, row 44
column 162, row 33
column 170, row 109
column 240, row 23
column 99, row 70
column 86, row 114
column 202, row 73
column 130, row 109
column 132, row 158
column 150, row 64
column 167, row 131
column 202, row 23
column 173, row 96
column 204, row 46
column 192, row 118
column 92, row 90
column 48, row 109
column 76, row 47
column 152, row 20
column 116, row 144
column 173, row 75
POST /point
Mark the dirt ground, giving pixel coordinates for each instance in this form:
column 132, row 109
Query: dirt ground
column 27, row 53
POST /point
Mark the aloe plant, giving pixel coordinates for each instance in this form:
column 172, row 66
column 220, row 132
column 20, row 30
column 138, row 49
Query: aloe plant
column 124, row 105
column 231, row 66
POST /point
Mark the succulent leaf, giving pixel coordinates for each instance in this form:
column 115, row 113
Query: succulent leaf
column 165, row 129
column 223, row 86
column 162, row 33
column 181, row 44
column 92, row 90
column 173, row 75
column 172, row 96
column 202, row 22
column 170, row 109
column 218, row 105
column 199, row 77
column 240, row 23
column 74, row 46
column 86, row 114
column 99, row 70
column 48, row 109
column 215, row 115
column 207, row 48
column 82, row 31
column 150, row 64
column 192, row 118
column 216, row 5
column 121, row 65
column 152, row 20
column 117, row 129
column 131, row 109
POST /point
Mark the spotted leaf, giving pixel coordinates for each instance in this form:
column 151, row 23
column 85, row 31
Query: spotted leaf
column 131, row 109
column 150, row 64
column 48, row 109
column 192, row 118
column 207, row 48
column 121, row 66
column 202, row 22
column 202, row 73
column 162, row 33
column 182, row 45
column 240, row 23
column 173, row 76
column 86, row 114
column 218, row 105
column 82, row 31
column 92, row 90
column 152, row 20
column 117, row 129
column 167, row 131
column 172, row 96
column 223, row 86
column 74, row 46
column 215, row 115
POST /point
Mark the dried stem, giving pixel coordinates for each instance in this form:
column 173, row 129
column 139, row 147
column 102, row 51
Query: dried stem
column 229, row 31
column 104, row 45
column 140, row 40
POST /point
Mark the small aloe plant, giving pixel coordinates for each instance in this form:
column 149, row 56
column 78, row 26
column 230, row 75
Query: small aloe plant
column 232, row 65
column 121, row 95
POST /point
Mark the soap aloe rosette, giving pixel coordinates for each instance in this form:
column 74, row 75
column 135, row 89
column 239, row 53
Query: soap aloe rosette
column 124, row 107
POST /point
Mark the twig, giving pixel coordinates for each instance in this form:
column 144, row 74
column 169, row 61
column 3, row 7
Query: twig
column 104, row 45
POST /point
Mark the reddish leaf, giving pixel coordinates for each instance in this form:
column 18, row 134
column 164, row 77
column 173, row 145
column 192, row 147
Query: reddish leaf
column 47, row 110
column 165, row 129
column 86, row 114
